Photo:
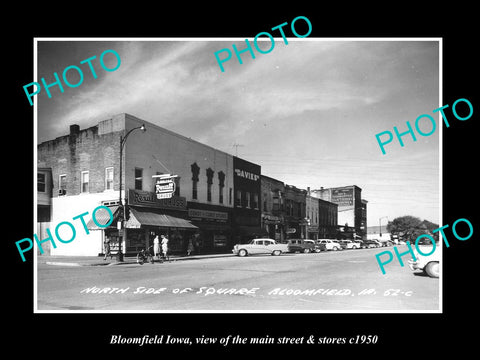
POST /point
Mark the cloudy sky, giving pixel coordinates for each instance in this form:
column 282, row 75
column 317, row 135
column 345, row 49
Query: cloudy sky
column 307, row 112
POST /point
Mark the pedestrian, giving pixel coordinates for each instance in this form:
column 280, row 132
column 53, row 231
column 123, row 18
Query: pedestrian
column 106, row 249
column 156, row 247
column 165, row 246
column 190, row 247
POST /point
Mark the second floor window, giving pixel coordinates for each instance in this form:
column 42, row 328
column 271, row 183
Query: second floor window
column 85, row 182
column 109, row 178
column 41, row 185
column 62, row 184
column 138, row 179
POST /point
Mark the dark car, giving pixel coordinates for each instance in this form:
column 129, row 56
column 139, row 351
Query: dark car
column 301, row 245
column 366, row 244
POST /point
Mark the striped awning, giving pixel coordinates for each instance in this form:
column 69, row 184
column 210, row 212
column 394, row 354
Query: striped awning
column 103, row 217
column 150, row 218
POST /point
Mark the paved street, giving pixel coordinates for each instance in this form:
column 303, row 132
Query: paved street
column 347, row 280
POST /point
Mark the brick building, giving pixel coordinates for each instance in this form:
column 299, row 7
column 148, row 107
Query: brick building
column 84, row 167
column 352, row 209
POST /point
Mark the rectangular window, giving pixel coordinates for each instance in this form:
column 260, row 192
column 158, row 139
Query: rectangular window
column 238, row 199
column 194, row 189
column 85, row 182
column 177, row 186
column 265, row 202
column 62, row 184
column 255, row 201
column 138, row 179
column 220, row 194
column 209, row 192
column 109, row 178
column 41, row 185
column 230, row 195
column 247, row 199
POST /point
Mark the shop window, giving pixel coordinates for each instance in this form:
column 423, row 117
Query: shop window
column 109, row 178
column 138, row 179
column 41, row 185
column 85, row 182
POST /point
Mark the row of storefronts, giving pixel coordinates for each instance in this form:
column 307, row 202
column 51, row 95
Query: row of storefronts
column 217, row 200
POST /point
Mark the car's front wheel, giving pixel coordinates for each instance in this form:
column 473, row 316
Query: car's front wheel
column 432, row 269
column 242, row 252
column 335, row 248
column 306, row 251
column 276, row 252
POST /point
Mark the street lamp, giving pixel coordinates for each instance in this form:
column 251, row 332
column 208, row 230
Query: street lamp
column 380, row 223
column 124, row 235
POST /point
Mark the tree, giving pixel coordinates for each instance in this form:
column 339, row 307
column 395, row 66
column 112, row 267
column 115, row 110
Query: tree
column 407, row 228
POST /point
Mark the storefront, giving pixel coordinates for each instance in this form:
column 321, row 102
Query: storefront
column 148, row 217
column 214, row 228
column 273, row 226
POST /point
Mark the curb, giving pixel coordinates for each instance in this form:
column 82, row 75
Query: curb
column 63, row 263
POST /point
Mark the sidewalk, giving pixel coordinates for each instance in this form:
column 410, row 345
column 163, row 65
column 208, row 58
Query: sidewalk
column 98, row 260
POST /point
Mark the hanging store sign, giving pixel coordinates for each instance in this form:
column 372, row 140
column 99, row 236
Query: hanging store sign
column 164, row 186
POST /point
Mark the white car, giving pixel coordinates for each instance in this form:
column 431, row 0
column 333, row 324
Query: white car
column 428, row 264
column 260, row 246
column 349, row 244
column 330, row 244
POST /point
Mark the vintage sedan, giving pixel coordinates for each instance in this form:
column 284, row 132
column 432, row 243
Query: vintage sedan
column 301, row 245
column 429, row 264
column 330, row 244
column 260, row 246
column 349, row 244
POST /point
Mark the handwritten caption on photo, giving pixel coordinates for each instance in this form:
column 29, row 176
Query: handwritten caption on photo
column 208, row 291
column 239, row 340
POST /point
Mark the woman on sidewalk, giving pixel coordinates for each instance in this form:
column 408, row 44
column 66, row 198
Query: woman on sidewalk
column 165, row 246
column 156, row 247
column 106, row 249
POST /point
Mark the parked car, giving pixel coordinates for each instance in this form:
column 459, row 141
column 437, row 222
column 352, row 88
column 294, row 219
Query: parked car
column 366, row 244
column 260, row 246
column 301, row 245
column 430, row 264
column 317, row 247
column 330, row 244
column 349, row 244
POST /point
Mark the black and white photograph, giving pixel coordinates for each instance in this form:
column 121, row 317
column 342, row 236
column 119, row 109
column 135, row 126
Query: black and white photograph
column 256, row 186
column 224, row 181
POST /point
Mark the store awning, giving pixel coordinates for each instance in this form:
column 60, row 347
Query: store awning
column 103, row 217
column 150, row 218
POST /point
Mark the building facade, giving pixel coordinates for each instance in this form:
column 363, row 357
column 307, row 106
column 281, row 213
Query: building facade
column 273, row 209
column 351, row 209
column 295, row 212
column 327, row 219
column 247, row 196
column 85, row 172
